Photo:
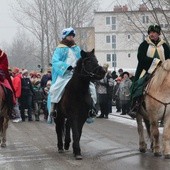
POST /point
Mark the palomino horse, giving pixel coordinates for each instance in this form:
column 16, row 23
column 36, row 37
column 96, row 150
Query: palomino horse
column 157, row 107
column 4, row 117
column 74, row 106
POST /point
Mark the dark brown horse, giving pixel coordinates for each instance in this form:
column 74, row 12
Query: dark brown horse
column 4, row 117
column 73, row 108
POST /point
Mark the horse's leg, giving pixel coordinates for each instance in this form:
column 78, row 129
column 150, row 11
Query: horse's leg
column 59, row 127
column 4, row 127
column 166, row 140
column 142, row 144
column 76, row 139
column 67, row 135
column 1, row 127
column 155, row 136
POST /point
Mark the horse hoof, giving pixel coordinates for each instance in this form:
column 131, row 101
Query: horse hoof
column 167, row 156
column 157, row 154
column 60, row 151
column 3, row 145
column 78, row 157
column 66, row 147
column 142, row 150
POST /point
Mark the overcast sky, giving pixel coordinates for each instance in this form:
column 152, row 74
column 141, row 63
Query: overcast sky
column 8, row 26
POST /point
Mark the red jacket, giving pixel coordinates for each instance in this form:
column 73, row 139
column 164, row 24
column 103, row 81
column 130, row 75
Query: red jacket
column 4, row 67
column 3, row 61
column 16, row 81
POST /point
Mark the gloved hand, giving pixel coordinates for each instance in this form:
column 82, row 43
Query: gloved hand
column 70, row 68
column 154, row 65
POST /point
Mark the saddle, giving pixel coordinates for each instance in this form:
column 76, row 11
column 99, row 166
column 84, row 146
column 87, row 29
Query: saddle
column 138, row 94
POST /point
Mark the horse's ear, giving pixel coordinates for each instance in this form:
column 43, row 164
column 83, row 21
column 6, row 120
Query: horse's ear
column 93, row 51
column 83, row 53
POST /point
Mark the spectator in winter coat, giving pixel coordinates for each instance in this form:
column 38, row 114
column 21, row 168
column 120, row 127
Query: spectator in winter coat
column 46, row 77
column 124, row 93
column 17, row 87
column 27, row 93
column 110, row 85
column 115, row 94
column 102, row 93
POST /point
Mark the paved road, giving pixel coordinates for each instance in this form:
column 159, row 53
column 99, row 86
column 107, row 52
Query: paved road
column 106, row 145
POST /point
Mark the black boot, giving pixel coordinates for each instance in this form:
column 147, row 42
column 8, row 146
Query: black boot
column 134, row 109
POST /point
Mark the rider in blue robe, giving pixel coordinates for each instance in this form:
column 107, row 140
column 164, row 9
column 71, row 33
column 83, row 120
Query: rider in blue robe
column 63, row 61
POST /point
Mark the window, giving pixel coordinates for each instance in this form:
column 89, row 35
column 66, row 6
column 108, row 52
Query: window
column 114, row 41
column 107, row 20
column 108, row 57
column 129, row 18
column 114, row 60
column 108, row 39
column 113, row 23
column 111, row 58
column 166, row 25
column 129, row 55
column 145, row 19
column 128, row 37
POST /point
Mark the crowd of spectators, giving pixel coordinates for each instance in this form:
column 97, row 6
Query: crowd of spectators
column 31, row 90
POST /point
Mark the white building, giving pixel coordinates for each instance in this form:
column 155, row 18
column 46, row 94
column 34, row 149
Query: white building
column 118, row 34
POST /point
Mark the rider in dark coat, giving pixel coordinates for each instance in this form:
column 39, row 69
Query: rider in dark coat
column 151, row 52
column 151, row 48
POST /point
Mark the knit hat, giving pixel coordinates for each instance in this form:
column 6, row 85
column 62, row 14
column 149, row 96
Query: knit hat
column 154, row 28
column 24, row 71
column 120, row 70
column 15, row 70
column 67, row 32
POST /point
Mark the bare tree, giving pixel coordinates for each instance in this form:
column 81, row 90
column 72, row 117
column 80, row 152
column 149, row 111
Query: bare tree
column 159, row 13
column 21, row 52
column 156, row 7
column 45, row 19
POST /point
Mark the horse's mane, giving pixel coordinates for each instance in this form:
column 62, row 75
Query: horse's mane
column 161, row 73
column 78, row 65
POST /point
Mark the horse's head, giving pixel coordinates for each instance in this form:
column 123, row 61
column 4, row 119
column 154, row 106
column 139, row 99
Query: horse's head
column 90, row 67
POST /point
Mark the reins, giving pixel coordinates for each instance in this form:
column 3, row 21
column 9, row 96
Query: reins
column 165, row 104
column 88, row 73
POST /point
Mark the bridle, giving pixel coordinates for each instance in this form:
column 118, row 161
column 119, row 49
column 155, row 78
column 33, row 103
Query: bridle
column 88, row 73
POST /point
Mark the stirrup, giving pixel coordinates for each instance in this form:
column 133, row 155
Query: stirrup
column 53, row 114
column 132, row 114
column 92, row 113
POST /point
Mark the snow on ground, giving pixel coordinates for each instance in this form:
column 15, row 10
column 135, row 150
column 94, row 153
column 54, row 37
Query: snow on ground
column 124, row 119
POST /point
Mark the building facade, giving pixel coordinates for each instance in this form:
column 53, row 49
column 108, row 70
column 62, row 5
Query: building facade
column 118, row 34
